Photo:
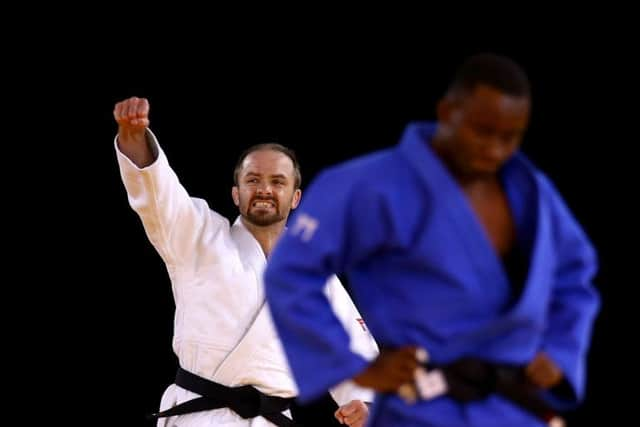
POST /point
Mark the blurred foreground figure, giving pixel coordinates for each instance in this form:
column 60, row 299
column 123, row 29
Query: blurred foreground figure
column 473, row 275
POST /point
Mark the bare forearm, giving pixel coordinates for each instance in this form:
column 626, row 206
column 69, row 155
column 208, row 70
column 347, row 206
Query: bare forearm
column 132, row 116
column 137, row 147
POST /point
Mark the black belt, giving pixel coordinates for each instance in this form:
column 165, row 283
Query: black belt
column 246, row 401
column 473, row 379
column 318, row 412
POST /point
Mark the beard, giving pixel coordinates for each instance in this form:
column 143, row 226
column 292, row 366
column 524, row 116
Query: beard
column 261, row 216
column 263, row 219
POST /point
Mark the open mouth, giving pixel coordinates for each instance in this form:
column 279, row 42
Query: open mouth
column 263, row 204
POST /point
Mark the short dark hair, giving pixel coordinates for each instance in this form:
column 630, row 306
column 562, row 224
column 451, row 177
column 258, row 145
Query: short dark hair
column 273, row 146
column 493, row 70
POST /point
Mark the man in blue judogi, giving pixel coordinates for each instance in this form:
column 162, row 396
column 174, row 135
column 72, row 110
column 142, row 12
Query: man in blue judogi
column 458, row 250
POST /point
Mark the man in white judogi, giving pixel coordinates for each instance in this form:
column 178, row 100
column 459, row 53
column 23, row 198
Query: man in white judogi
column 223, row 330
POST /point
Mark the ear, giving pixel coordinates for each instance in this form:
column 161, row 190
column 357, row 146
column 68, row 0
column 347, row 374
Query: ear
column 296, row 198
column 235, row 195
column 444, row 109
column 450, row 111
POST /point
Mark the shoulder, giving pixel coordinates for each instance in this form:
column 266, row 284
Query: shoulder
column 543, row 182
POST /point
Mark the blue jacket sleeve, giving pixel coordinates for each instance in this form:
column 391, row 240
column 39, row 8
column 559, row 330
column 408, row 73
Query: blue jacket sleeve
column 319, row 241
column 574, row 302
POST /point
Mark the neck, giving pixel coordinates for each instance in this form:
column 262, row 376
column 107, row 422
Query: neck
column 475, row 180
column 481, row 187
column 266, row 235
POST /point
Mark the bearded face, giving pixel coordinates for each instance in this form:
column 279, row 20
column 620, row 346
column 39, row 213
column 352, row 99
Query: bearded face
column 265, row 193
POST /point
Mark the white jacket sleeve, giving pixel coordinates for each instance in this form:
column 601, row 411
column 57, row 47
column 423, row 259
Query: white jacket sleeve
column 361, row 343
column 176, row 224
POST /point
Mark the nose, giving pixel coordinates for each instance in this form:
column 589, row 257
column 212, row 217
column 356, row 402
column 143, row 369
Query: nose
column 264, row 188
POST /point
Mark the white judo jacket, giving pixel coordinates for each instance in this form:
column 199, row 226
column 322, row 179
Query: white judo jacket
column 216, row 277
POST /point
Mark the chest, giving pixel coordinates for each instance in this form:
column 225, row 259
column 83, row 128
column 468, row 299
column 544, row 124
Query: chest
column 492, row 211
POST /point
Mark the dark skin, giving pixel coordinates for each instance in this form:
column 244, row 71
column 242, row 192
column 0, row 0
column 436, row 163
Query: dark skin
column 478, row 131
column 390, row 370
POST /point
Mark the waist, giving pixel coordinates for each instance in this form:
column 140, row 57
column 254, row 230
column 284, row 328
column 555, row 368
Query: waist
column 266, row 368
column 471, row 379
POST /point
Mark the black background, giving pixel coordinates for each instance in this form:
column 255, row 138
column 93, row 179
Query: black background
column 330, row 100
